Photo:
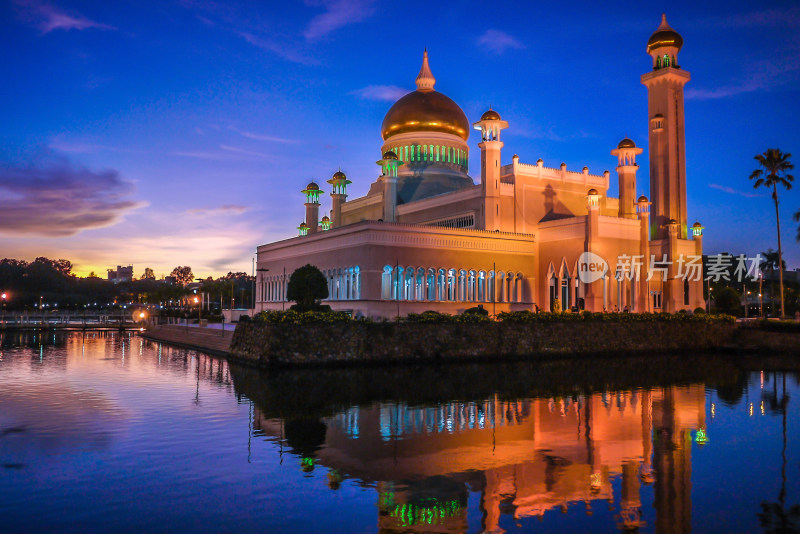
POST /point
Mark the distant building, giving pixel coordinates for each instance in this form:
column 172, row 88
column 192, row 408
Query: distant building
column 171, row 280
column 121, row 274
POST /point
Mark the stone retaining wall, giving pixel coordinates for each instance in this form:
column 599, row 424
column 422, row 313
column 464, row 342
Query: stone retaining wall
column 337, row 343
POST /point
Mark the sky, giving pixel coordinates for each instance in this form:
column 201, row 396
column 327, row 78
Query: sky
column 181, row 133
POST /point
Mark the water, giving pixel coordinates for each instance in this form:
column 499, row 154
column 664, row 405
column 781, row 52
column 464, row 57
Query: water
column 109, row 432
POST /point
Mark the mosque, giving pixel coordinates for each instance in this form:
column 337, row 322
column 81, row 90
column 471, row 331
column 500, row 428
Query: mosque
column 527, row 237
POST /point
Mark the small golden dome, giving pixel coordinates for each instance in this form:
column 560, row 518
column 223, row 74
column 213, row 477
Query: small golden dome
column 626, row 143
column 389, row 154
column 664, row 36
column 593, row 191
column 303, row 225
column 326, row 219
column 490, row 115
column 339, row 175
column 697, row 225
column 643, row 198
column 312, row 187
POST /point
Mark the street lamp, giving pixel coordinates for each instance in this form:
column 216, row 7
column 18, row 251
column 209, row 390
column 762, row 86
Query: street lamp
column 254, row 288
column 4, row 296
column 199, row 310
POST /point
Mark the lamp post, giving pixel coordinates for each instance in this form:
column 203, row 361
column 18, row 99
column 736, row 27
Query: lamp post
column 4, row 296
column 254, row 288
column 760, row 295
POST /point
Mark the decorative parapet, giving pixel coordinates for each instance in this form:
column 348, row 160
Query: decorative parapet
column 561, row 174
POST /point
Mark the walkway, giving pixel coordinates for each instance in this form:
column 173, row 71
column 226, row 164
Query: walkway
column 212, row 341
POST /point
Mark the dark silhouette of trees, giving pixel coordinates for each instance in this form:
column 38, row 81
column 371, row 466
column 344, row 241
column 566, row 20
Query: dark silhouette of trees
column 183, row 275
column 307, row 286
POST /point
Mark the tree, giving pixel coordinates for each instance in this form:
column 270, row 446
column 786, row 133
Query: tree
column 148, row 274
column 796, row 218
column 183, row 275
column 727, row 300
column 774, row 170
column 770, row 263
column 307, row 286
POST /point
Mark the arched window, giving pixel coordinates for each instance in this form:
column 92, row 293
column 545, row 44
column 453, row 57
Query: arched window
column 472, row 289
column 666, row 60
column 431, row 285
column 482, row 287
column 408, row 285
column 386, row 283
column 658, row 62
column 462, row 285
column 452, row 285
column 441, row 286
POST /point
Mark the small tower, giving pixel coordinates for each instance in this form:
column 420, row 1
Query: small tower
column 339, row 184
column 312, row 193
column 302, row 229
column 626, row 153
column 325, row 224
column 667, row 138
column 389, row 164
column 490, row 145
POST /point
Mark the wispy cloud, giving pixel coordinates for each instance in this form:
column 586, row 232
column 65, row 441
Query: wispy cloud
column 733, row 191
column 225, row 153
column 227, row 209
column 787, row 18
column 497, row 41
column 262, row 137
column 338, row 13
column 49, row 18
column 51, row 196
column 388, row 93
column 283, row 49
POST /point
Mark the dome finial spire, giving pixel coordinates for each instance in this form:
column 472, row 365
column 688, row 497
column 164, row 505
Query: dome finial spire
column 664, row 24
column 425, row 79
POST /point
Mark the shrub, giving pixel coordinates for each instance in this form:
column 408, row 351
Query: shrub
column 307, row 286
column 306, row 317
column 728, row 300
column 244, row 318
column 699, row 310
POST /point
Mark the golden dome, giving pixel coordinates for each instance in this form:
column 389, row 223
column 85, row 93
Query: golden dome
column 664, row 36
column 339, row 175
column 326, row 219
column 642, row 198
column 697, row 225
column 425, row 110
column 490, row 115
column 389, row 154
column 593, row 191
column 312, row 186
column 626, row 143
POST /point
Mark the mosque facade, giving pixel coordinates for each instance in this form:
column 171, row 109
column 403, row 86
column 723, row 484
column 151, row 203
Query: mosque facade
column 526, row 237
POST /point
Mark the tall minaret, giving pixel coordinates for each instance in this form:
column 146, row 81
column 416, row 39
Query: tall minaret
column 667, row 144
column 312, row 193
column 626, row 153
column 389, row 164
column 490, row 145
column 338, row 183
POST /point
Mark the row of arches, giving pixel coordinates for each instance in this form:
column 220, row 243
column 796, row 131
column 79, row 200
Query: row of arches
column 273, row 288
column 454, row 285
column 343, row 283
column 432, row 153
column 664, row 61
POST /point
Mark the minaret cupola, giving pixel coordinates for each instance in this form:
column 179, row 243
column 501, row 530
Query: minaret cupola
column 664, row 45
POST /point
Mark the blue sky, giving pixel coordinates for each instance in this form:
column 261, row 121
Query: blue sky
column 167, row 133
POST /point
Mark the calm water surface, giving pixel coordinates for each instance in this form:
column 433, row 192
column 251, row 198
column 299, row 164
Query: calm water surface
column 109, row 432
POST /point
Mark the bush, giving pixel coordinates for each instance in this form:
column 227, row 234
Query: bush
column 244, row 318
column 728, row 301
column 307, row 286
column 552, row 317
column 699, row 310
column 307, row 317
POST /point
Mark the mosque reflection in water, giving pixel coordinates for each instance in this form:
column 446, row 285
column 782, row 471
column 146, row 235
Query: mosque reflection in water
column 526, row 457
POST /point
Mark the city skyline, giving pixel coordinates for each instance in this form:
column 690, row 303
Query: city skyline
column 171, row 135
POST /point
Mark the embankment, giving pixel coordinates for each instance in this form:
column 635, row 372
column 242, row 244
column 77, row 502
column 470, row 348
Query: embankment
column 267, row 344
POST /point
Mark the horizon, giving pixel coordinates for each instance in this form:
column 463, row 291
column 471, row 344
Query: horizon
column 164, row 135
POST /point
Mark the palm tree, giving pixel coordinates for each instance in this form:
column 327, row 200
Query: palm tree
column 774, row 170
